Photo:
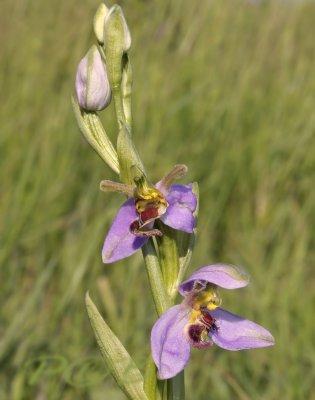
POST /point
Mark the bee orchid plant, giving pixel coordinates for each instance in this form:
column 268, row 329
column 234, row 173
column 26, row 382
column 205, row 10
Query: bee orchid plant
column 155, row 218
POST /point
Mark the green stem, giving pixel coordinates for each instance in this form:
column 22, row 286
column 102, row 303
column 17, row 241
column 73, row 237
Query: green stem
column 162, row 303
column 176, row 387
column 160, row 297
column 150, row 386
column 170, row 264
column 119, row 109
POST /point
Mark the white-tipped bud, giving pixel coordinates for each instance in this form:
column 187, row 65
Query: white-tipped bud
column 98, row 22
column 127, row 35
column 91, row 83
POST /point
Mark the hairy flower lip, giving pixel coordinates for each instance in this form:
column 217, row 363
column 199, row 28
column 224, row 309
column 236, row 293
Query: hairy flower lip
column 170, row 339
column 194, row 333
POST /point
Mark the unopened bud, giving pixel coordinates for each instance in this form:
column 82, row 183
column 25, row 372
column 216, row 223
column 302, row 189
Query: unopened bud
column 116, row 21
column 127, row 35
column 91, row 83
column 117, row 41
column 98, row 22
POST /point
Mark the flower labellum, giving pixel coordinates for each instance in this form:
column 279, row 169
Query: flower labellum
column 200, row 322
column 91, row 83
column 134, row 223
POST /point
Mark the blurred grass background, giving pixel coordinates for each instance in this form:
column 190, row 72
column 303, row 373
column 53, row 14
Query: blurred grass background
column 226, row 87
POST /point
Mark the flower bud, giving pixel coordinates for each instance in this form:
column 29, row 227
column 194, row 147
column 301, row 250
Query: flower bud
column 98, row 22
column 91, row 83
column 117, row 41
column 116, row 21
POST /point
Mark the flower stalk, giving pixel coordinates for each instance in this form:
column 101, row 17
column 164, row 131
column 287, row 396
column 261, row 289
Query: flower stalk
column 159, row 293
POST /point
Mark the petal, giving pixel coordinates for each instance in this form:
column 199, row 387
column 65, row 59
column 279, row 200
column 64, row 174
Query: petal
column 223, row 275
column 182, row 194
column 182, row 204
column 169, row 345
column 120, row 242
column 236, row 333
column 179, row 217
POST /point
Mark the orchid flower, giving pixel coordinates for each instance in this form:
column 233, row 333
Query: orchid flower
column 136, row 219
column 200, row 322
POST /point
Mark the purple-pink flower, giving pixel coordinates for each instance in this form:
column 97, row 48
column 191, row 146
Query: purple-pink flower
column 199, row 321
column 135, row 221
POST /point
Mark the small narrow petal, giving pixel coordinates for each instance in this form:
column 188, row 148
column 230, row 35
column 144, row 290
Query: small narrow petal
column 120, row 242
column 223, row 275
column 236, row 333
column 182, row 204
column 169, row 344
column 177, row 172
column 110, row 186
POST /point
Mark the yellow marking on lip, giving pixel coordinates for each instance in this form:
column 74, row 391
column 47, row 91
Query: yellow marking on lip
column 195, row 314
column 147, row 196
column 208, row 298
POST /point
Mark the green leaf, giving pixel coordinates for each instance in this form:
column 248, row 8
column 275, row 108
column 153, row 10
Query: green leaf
column 93, row 131
column 117, row 359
